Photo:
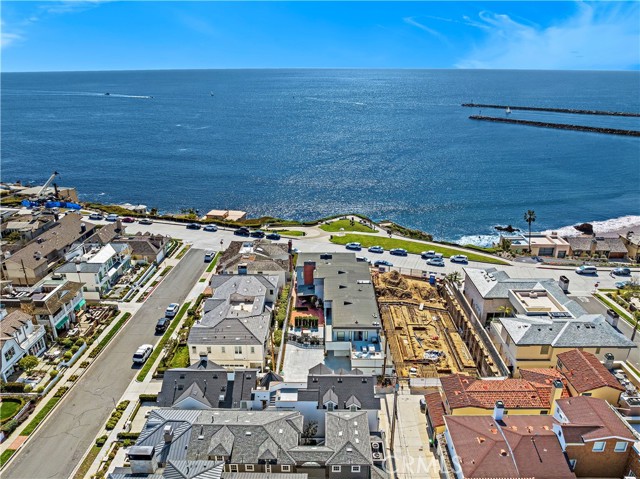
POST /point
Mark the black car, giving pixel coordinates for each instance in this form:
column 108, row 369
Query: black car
column 242, row 232
column 162, row 325
column 193, row 226
column 273, row 236
column 257, row 234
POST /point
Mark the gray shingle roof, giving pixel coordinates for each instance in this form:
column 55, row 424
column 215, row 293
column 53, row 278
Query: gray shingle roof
column 348, row 434
column 193, row 470
column 341, row 387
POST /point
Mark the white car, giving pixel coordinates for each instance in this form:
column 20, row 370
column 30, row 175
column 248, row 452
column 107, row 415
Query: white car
column 459, row 258
column 112, row 217
column 435, row 262
column 171, row 310
column 210, row 228
column 142, row 354
column 209, row 255
column 428, row 254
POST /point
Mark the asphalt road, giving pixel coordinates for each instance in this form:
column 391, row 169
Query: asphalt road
column 60, row 443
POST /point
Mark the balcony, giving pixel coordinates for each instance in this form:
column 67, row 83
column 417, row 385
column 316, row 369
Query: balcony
column 366, row 350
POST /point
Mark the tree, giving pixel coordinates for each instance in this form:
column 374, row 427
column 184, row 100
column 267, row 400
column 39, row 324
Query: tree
column 154, row 212
column 505, row 310
column 455, row 278
column 309, row 431
column 28, row 363
column 530, row 217
column 505, row 244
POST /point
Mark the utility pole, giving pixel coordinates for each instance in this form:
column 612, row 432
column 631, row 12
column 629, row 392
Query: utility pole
column 395, row 414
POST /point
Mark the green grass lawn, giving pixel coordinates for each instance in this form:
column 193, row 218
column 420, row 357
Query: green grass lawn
column 410, row 246
column 180, row 358
column 160, row 346
column 617, row 308
column 213, row 263
column 8, row 409
column 183, row 252
column 335, row 226
column 40, row 416
column 290, row 232
column 5, row 456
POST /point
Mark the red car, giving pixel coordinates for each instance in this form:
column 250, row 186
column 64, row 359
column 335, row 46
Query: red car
column 128, row 219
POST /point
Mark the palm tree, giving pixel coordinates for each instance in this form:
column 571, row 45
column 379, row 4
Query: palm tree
column 454, row 278
column 530, row 217
column 505, row 310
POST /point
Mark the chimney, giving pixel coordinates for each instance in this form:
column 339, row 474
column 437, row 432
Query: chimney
column 498, row 411
column 556, row 394
column 83, row 228
column 608, row 361
column 307, row 272
column 290, row 246
column 168, row 434
column 612, row 318
column 563, row 282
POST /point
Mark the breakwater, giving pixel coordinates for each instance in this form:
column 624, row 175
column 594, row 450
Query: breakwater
column 554, row 110
column 558, row 126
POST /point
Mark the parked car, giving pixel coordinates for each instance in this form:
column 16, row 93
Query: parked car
column 142, row 353
column 459, row 258
column 354, row 246
column 622, row 284
column 145, row 221
column 257, row 234
column 242, row 231
column 398, row 252
column 128, row 219
column 162, row 325
column 193, row 226
column 171, row 310
column 273, row 236
column 112, row 217
column 96, row 216
column 210, row 228
column 586, row 269
column 427, row 254
column 209, row 255
column 376, row 249
column 362, row 259
column 435, row 262
column 383, row 262
column 622, row 272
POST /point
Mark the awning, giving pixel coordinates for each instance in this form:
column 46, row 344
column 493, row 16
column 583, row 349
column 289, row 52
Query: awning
column 80, row 304
column 62, row 321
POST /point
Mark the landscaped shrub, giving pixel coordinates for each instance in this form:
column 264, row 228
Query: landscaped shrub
column 74, row 349
column 101, row 440
column 128, row 435
column 277, row 337
column 67, row 343
column 67, row 355
column 53, row 373
column 79, row 342
column 12, row 387
column 84, row 364
column 8, row 427
column 39, row 389
column 28, row 388
column 148, row 397
column 60, row 392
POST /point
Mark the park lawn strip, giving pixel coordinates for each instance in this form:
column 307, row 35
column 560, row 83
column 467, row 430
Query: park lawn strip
column 87, row 462
column 411, row 246
column 213, row 263
column 165, row 337
column 346, row 225
column 180, row 358
column 6, row 455
column 40, row 416
column 621, row 312
column 290, row 232
column 183, row 252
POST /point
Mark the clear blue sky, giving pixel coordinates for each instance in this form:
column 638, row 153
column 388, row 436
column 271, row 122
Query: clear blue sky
column 104, row 35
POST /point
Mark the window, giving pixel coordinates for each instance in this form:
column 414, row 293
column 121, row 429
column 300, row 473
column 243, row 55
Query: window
column 10, row 353
column 270, row 291
column 353, row 408
column 233, row 468
column 621, row 446
column 193, row 349
column 598, row 446
column 285, row 468
column 208, row 349
column 543, row 413
column 330, row 406
column 238, row 349
column 253, row 350
column 336, row 468
column 355, row 468
column 223, row 350
column 572, row 464
column 598, row 350
column 249, row 468
column 340, row 336
column 544, row 350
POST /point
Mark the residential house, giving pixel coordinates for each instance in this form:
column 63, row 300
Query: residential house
column 105, row 234
column 612, row 248
column 54, row 303
column 542, row 244
column 343, row 286
column 631, row 242
column 531, row 321
column 19, row 337
column 262, row 443
column 325, row 390
column 227, row 215
column 28, row 226
column 39, row 257
column 256, row 257
column 146, row 247
column 234, row 328
column 205, row 385
column 99, row 268
column 500, row 446
column 597, row 441
column 587, row 376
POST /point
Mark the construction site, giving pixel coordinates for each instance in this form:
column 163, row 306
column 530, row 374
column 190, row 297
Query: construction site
column 422, row 337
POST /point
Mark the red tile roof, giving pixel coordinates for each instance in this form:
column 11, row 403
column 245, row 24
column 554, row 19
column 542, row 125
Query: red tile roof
column 464, row 391
column 516, row 447
column 435, row 409
column 585, row 372
column 596, row 417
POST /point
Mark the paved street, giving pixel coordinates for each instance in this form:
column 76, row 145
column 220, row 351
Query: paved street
column 60, row 443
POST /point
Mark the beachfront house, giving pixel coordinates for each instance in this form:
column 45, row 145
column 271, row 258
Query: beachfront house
column 19, row 337
column 542, row 244
column 597, row 246
column 631, row 242
column 256, row 257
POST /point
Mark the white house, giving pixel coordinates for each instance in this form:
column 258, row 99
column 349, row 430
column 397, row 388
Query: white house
column 19, row 337
column 99, row 268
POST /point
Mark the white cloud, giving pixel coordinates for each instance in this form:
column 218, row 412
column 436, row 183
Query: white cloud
column 412, row 21
column 7, row 38
column 604, row 36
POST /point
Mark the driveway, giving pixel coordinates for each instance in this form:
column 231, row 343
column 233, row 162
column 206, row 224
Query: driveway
column 60, row 443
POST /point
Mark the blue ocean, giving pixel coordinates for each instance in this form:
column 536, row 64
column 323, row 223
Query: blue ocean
column 303, row 144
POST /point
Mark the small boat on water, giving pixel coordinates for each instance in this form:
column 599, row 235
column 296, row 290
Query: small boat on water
column 107, row 94
column 211, row 93
column 508, row 111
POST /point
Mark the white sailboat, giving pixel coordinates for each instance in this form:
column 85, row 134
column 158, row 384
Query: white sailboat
column 508, row 111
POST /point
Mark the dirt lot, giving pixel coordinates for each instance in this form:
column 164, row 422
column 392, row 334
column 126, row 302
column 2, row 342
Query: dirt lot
column 423, row 339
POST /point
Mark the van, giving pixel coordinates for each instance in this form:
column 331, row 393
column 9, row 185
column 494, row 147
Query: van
column 209, row 255
column 585, row 269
